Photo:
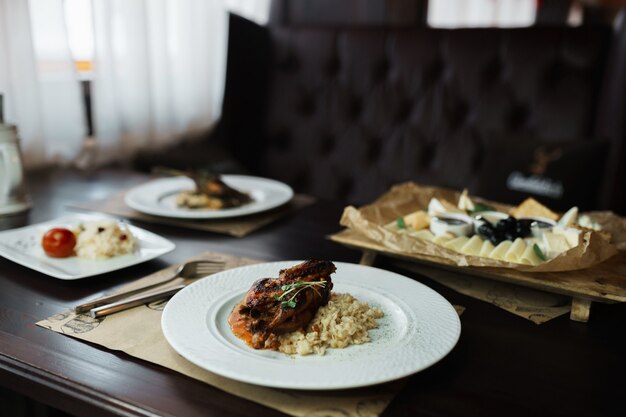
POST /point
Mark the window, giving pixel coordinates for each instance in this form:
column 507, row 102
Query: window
column 481, row 13
column 78, row 18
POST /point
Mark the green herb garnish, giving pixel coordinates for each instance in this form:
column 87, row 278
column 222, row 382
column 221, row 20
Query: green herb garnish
column 400, row 223
column 538, row 252
column 288, row 297
column 478, row 207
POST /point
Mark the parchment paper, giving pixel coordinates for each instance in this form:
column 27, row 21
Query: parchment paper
column 616, row 225
column 138, row 332
column 406, row 198
column 534, row 305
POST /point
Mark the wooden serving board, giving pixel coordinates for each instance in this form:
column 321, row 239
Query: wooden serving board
column 605, row 282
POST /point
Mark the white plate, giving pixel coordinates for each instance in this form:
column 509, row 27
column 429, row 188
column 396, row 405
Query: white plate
column 158, row 197
column 419, row 328
column 23, row 246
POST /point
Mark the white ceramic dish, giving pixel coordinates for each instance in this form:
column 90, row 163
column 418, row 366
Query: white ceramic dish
column 158, row 197
column 492, row 217
column 419, row 328
column 540, row 225
column 457, row 224
column 23, row 246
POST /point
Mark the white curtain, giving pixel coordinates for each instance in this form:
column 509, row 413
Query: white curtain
column 158, row 74
column 159, row 68
column 38, row 81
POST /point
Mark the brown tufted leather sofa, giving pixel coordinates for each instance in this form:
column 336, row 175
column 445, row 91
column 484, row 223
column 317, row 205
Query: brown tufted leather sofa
column 347, row 112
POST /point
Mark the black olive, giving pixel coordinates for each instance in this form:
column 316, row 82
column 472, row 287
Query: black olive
column 523, row 227
column 502, row 225
column 486, row 230
column 487, row 222
column 490, row 233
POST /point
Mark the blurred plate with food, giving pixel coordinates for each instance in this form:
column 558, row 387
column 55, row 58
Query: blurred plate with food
column 203, row 195
column 81, row 245
column 312, row 325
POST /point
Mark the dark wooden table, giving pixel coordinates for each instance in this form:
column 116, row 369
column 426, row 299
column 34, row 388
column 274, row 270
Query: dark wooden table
column 502, row 366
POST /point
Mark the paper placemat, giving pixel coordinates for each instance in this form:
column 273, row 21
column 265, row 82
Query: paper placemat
column 236, row 226
column 534, row 305
column 138, row 332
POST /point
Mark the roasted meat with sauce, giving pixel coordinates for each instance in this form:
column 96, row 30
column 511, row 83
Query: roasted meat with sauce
column 210, row 190
column 274, row 306
column 210, row 184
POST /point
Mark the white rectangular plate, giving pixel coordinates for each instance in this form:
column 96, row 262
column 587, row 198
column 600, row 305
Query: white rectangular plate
column 23, row 246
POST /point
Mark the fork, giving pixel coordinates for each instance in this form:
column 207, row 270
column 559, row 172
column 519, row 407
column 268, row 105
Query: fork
column 188, row 270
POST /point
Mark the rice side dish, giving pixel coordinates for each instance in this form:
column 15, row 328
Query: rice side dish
column 342, row 322
column 192, row 199
column 103, row 239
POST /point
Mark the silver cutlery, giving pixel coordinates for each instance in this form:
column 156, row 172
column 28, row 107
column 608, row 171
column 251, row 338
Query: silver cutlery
column 188, row 270
column 135, row 301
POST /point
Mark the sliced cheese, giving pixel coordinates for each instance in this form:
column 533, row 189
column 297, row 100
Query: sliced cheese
column 473, row 246
column 500, row 251
column 532, row 208
column 585, row 221
column 436, row 207
column 554, row 244
column 418, row 220
column 530, row 257
column 569, row 217
column 569, row 233
column 486, row 249
column 515, row 251
column 423, row 234
column 533, row 240
column 457, row 243
column 465, row 202
column 441, row 239
column 392, row 226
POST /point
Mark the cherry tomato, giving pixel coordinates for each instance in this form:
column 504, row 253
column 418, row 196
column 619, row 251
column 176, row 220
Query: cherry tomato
column 59, row 242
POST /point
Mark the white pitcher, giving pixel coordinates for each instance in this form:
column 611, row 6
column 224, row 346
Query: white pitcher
column 13, row 196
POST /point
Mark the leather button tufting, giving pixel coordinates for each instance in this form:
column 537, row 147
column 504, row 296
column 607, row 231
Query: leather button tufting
column 427, row 154
column 459, row 113
column 519, row 116
column 327, row 144
column 355, row 107
column 381, row 71
column 358, row 107
column 493, row 72
column 302, row 180
column 332, row 67
column 289, row 63
column 306, row 105
column 554, row 72
column 434, row 72
column 404, row 110
column 374, row 150
column 345, row 186
column 281, row 140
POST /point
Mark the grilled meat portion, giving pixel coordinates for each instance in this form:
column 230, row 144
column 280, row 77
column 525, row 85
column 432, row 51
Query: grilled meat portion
column 211, row 185
column 274, row 306
column 208, row 185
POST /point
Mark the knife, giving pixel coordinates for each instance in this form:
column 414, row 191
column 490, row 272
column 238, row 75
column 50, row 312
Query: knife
column 135, row 301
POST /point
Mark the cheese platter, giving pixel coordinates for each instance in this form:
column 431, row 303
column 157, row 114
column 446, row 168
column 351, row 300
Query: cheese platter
column 581, row 255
